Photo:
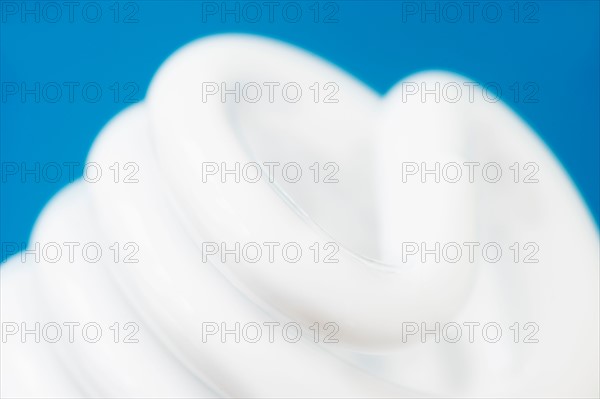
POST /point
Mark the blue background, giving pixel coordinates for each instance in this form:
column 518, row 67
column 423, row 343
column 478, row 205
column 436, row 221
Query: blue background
column 559, row 53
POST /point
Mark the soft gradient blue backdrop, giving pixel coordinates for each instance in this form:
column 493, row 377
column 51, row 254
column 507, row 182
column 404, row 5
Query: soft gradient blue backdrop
column 559, row 53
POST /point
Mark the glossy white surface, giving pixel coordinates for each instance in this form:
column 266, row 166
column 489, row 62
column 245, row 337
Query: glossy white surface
column 369, row 293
